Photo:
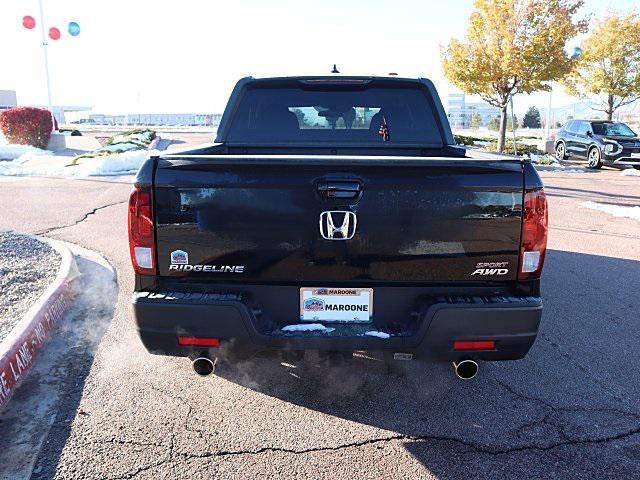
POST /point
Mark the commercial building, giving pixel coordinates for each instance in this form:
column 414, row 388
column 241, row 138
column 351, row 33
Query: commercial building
column 8, row 99
column 460, row 111
column 157, row 119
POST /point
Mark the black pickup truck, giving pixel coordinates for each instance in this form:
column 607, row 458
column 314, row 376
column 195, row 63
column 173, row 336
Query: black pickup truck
column 336, row 214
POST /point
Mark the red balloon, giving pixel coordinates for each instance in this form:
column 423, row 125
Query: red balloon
column 54, row 33
column 28, row 22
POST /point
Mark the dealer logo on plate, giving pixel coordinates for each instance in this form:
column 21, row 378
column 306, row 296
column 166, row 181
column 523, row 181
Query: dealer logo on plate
column 314, row 305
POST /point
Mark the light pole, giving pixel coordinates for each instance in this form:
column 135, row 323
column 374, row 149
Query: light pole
column 46, row 62
column 547, row 125
column 513, row 126
column 29, row 23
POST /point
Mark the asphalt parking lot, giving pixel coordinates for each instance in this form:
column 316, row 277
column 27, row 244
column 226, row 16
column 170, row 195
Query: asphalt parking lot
column 106, row 409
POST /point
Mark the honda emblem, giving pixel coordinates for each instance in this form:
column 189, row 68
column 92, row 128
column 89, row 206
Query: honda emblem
column 338, row 225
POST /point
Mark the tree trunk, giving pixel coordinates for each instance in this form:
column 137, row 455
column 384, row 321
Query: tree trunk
column 503, row 128
column 609, row 111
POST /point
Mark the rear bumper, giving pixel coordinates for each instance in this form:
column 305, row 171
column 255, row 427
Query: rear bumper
column 511, row 321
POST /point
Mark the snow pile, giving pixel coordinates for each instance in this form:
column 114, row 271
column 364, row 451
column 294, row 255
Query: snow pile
column 43, row 163
column 630, row 172
column 11, row 152
column 125, row 163
column 307, row 327
column 373, row 333
column 561, row 169
column 141, row 137
column 123, row 142
column 619, row 211
column 120, row 147
column 549, row 163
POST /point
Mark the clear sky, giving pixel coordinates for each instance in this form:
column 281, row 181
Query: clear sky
column 185, row 56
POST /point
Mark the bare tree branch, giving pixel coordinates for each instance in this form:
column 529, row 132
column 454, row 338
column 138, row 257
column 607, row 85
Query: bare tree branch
column 628, row 101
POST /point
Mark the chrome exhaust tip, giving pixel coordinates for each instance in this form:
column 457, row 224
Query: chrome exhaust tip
column 465, row 369
column 203, row 366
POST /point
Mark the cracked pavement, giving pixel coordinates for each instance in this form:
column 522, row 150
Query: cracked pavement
column 570, row 409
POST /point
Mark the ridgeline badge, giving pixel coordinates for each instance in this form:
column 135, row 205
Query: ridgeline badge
column 180, row 263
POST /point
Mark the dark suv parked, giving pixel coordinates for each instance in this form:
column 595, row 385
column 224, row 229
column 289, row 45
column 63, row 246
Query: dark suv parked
column 600, row 142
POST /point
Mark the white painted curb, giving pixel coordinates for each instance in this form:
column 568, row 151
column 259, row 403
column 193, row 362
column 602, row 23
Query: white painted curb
column 20, row 348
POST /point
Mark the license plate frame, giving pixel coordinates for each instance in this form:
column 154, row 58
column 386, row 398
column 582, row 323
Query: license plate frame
column 324, row 304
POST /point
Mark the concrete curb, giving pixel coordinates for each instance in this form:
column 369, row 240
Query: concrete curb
column 20, row 348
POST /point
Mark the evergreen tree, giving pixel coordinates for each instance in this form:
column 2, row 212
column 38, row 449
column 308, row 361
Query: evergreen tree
column 494, row 124
column 476, row 120
column 532, row 118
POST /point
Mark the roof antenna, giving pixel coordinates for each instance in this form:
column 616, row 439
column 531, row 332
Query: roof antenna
column 335, row 69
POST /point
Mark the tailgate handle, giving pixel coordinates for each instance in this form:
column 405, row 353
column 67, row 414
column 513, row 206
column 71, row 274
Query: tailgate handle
column 339, row 189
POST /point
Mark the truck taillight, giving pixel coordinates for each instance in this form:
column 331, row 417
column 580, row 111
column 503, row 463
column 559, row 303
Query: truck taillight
column 141, row 234
column 534, row 234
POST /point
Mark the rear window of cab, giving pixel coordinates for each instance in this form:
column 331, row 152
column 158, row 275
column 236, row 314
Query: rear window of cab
column 356, row 115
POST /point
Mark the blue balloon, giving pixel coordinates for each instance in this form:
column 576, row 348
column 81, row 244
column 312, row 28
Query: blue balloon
column 74, row 29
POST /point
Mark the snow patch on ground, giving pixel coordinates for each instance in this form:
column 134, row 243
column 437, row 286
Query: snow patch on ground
column 374, row 333
column 307, row 327
column 559, row 168
column 619, row 211
column 548, row 163
column 630, row 172
column 36, row 162
column 11, row 152
column 563, row 170
column 121, row 147
column 545, row 159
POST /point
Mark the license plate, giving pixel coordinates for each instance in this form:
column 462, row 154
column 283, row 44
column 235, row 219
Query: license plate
column 336, row 304
column 635, row 155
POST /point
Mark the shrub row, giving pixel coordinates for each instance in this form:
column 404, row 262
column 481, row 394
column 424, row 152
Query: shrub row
column 26, row 126
column 522, row 148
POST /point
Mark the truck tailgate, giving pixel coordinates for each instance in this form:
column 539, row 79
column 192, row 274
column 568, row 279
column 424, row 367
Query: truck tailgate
column 414, row 221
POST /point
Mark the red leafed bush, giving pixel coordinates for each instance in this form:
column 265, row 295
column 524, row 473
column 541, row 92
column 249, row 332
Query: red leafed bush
column 26, row 126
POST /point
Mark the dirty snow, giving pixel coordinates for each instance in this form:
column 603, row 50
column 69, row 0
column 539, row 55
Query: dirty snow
column 307, row 327
column 619, row 211
column 630, row 172
column 40, row 162
column 374, row 333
